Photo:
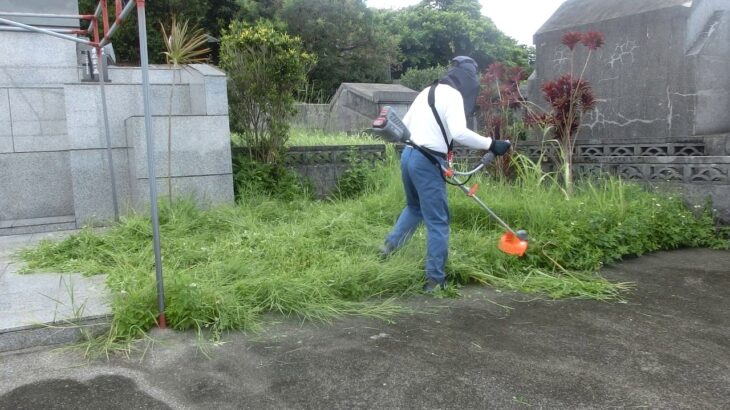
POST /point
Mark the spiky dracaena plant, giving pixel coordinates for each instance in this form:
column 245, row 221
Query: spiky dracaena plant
column 183, row 45
column 499, row 102
column 569, row 97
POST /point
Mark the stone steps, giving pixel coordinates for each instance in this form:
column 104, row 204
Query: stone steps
column 36, row 225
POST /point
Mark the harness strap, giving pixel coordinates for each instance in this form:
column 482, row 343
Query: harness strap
column 432, row 104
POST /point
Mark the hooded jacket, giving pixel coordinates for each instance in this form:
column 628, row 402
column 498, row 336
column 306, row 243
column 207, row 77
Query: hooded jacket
column 464, row 77
column 456, row 91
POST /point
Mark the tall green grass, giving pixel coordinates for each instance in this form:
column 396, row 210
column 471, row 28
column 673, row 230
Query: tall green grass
column 316, row 260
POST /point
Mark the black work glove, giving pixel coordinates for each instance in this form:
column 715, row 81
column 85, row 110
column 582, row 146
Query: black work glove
column 500, row 147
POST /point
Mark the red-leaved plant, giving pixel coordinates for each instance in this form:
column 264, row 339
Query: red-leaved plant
column 569, row 98
column 499, row 102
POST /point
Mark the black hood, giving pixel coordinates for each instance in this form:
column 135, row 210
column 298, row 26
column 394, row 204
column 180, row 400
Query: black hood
column 463, row 75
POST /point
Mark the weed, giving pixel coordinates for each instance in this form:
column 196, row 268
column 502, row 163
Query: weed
column 316, row 260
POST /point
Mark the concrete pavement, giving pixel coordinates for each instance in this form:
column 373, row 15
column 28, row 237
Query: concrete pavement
column 667, row 346
column 44, row 308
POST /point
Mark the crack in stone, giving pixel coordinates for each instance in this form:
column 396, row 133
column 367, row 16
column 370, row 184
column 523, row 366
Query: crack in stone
column 600, row 119
column 559, row 59
column 621, row 50
column 670, row 108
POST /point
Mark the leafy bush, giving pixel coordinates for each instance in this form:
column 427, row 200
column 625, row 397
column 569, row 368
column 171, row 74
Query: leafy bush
column 274, row 180
column 359, row 177
column 265, row 68
column 418, row 79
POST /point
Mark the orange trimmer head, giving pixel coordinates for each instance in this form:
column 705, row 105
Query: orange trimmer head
column 513, row 243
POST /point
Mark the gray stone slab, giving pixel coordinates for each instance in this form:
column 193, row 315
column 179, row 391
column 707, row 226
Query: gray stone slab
column 200, row 145
column 92, row 189
column 5, row 123
column 30, row 226
column 35, row 308
column 36, row 221
column 208, row 89
column 21, row 230
column 28, row 76
column 133, row 75
column 35, row 185
column 711, row 114
column 45, row 7
column 38, row 118
column 49, row 334
column 85, row 122
column 6, row 144
column 6, row 130
column 32, row 306
column 33, row 50
column 216, row 95
column 208, row 70
column 206, row 191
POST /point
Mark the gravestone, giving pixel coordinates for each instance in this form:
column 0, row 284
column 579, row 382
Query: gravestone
column 355, row 105
column 662, row 80
column 54, row 169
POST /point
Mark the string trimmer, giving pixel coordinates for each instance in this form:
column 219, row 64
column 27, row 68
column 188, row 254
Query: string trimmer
column 389, row 127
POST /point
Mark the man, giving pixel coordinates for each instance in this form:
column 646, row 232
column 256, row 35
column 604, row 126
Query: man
column 454, row 98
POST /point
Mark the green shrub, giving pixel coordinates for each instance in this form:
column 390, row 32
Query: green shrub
column 359, row 177
column 265, row 68
column 418, row 79
column 255, row 178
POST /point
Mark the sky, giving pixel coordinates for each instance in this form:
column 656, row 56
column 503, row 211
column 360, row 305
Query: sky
column 519, row 19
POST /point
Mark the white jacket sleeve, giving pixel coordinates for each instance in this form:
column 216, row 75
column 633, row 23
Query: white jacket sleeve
column 455, row 122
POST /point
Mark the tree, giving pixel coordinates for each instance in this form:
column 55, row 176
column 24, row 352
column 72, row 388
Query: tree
column 347, row 39
column 434, row 31
column 265, row 67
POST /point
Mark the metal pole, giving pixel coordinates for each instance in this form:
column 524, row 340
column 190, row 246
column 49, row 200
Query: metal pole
column 63, row 16
column 118, row 22
column 101, row 57
column 44, row 31
column 142, row 24
column 55, row 30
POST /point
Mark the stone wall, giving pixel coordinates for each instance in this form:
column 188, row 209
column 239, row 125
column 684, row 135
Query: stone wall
column 311, row 116
column 356, row 105
column 662, row 83
column 323, row 166
column 54, row 169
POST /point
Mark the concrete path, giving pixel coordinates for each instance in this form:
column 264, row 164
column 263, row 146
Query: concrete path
column 37, row 309
column 667, row 346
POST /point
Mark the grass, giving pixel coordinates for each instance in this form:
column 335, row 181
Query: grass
column 308, row 138
column 316, row 260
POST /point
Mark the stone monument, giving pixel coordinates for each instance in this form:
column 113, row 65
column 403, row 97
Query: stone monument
column 54, row 172
column 662, row 80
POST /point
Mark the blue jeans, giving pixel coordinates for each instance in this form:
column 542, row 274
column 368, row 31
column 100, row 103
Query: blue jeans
column 426, row 201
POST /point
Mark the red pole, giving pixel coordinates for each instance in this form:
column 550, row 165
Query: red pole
column 117, row 9
column 105, row 16
column 96, row 30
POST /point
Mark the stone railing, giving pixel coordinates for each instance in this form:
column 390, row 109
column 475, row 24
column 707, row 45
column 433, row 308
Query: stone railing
column 678, row 164
column 323, row 165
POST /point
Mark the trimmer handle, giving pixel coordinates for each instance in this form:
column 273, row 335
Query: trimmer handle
column 487, row 158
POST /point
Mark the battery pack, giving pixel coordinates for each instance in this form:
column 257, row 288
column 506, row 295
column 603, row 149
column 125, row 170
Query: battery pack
column 389, row 126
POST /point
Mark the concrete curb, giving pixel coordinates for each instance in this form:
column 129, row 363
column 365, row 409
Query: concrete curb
column 52, row 333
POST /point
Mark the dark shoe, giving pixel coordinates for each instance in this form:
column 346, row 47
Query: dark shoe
column 432, row 286
column 386, row 250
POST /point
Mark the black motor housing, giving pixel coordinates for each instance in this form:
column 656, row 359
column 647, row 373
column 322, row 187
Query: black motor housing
column 389, row 127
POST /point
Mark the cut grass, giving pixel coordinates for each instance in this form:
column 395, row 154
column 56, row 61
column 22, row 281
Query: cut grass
column 226, row 267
